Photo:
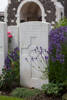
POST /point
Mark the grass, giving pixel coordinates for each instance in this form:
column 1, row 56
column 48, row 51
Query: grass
column 24, row 92
column 9, row 98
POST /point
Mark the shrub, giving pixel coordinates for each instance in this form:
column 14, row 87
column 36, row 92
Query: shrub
column 52, row 89
column 65, row 84
column 24, row 92
column 62, row 22
column 10, row 73
column 58, row 55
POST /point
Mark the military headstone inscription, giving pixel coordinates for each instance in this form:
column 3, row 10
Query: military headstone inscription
column 32, row 35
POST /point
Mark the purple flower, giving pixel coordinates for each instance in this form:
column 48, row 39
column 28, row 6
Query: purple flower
column 12, row 56
column 53, row 59
column 61, row 61
column 7, row 62
column 46, row 57
column 56, row 39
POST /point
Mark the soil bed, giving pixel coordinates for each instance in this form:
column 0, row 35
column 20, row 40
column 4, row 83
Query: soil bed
column 44, row 97
column 40, row 96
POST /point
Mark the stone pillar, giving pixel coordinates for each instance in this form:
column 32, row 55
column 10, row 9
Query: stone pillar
column 59, row 11
column 3, row 44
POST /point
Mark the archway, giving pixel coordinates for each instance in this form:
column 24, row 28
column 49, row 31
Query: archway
column 30, row 10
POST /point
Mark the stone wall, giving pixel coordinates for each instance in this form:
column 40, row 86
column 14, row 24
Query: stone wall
column 48, row 5
column 15, row 39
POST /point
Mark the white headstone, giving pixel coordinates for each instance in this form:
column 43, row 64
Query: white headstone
column 3, row 44
column 32, row 34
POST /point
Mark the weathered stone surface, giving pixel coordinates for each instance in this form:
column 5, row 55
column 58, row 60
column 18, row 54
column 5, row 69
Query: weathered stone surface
column 32, row 34
column 3, row 44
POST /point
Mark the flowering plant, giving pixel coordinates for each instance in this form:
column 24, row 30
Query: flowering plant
column 62, row 22
column 58, row 54
column 9, row 37
column 10, row 73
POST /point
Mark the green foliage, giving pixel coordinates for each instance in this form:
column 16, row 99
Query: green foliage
column 52, row 89
column 10, row 76
column 62, row 22
column 24, row 92
column 9, row 98
column 57, row 71
column 45, row 74
column 6, row 79
column 65, row 84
